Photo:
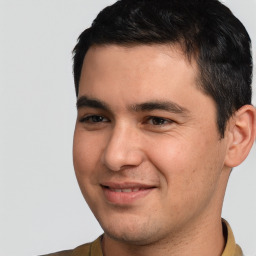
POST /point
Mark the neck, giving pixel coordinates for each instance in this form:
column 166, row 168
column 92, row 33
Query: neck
column 204, row 238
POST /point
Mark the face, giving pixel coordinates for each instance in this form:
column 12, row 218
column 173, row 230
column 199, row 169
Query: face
column 147, row 152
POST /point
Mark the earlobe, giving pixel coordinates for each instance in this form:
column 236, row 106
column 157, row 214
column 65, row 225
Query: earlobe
column 243, row 134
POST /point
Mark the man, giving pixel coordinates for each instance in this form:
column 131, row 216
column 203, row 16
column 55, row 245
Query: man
column 164, row 114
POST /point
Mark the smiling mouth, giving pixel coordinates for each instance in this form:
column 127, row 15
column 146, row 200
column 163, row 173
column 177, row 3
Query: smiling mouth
column 124, row 194
column 125, row 190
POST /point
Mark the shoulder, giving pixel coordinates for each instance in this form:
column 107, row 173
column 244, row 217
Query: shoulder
column 62, row 253
column 82, row 250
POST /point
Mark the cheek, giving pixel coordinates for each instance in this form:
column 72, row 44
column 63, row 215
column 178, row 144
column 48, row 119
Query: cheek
column 187, row 165
column 85, row 154
column 172, row 162
column 170, row 155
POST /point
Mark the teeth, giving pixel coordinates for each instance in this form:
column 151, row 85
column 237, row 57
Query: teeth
column 125, row 190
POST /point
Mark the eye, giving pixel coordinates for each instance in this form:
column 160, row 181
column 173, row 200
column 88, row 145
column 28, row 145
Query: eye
column 91, row 119
column 158, row 121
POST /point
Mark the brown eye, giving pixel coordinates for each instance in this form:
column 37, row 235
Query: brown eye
column 158, row 120
column 94, row 119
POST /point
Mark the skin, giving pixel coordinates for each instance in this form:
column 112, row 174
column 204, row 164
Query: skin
column 172, row 150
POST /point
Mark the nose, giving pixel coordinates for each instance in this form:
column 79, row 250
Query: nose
column 123, row 149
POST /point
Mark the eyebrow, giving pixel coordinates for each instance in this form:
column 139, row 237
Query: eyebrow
column 169, row 106
column 160, row 105
column 85, row 101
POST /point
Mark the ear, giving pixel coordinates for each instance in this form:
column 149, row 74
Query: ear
column 242, row 134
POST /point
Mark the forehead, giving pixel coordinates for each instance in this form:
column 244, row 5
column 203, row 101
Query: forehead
column 122, row 76
column 135, row 64
column 146, row 52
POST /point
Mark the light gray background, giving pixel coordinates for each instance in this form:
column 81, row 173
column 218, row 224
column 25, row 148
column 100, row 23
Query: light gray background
column 41, row 208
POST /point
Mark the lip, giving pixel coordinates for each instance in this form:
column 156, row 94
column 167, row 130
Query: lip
column 125, row 193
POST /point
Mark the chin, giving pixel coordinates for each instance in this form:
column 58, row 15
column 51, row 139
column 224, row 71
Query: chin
column 137, row 234
column 129, row 238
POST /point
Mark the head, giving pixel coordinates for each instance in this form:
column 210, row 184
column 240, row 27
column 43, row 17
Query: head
column 206, row 31
column 163, row 115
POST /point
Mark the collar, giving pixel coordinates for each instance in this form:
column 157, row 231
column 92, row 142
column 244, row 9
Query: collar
column 231, row 248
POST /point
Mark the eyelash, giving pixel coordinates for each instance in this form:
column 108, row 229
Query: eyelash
column 96, row 119
column 89, row 119
column 163, row 121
